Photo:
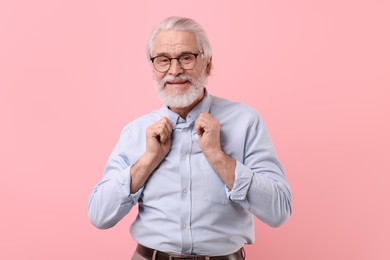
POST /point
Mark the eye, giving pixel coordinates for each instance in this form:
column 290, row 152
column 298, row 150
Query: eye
column 187, row 58
column 161, row 60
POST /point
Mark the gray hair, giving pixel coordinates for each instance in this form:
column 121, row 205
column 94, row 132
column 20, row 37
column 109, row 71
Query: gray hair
column 182, row 24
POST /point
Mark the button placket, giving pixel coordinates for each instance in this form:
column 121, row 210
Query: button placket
column 185, row 175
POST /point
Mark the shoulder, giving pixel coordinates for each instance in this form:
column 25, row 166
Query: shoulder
column 139, row 125
column 222, row 108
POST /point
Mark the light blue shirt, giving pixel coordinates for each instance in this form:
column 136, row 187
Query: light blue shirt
column 184, row 207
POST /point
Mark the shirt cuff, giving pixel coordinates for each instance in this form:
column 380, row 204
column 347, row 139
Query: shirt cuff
column 125, row 182
column 243, row 178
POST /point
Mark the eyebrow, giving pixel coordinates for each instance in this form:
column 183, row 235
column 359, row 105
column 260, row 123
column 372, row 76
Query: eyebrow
column 168, row 55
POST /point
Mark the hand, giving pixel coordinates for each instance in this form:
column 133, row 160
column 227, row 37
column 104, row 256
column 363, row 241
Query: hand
column 158, row 144
column 208, row 129
column 158, row 140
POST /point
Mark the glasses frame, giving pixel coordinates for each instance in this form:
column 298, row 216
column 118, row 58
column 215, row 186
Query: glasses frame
column 177, row 58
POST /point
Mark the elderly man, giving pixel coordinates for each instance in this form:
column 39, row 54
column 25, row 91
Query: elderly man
column 199, row 168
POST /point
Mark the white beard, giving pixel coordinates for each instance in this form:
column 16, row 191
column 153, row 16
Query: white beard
column 186, row 99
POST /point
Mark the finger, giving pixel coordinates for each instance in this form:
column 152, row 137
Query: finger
column 206, row 116
column 160, row 124
column 163, row 129
column 164, row 135
column 200, row 126
column 205, row 119
column 199, row 130
column 156, row 130
column 166, row 123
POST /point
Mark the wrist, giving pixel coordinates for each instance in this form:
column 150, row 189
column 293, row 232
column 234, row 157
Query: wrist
column 148, row 162
column 224, row 166
column 216, row 155
column 140, row 172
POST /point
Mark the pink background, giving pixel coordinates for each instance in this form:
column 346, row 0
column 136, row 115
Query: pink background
column 73, row 73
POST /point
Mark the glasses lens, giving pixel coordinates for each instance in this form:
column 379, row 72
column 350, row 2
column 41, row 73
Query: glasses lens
column 161, row 63
column 187, row 61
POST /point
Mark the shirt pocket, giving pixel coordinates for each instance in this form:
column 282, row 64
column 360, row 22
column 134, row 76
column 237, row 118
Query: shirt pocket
column 214, row 187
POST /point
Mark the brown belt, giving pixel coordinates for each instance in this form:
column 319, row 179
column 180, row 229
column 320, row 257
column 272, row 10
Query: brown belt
column 148, row 253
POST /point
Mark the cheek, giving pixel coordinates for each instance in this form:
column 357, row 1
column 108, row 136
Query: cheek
column 200, row 70
column 158, row 76
column 196, row 72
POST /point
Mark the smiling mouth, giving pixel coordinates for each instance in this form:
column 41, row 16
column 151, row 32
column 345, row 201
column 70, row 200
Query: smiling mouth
column 177, row 82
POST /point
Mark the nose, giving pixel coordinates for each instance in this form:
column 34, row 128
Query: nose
column 175, row 68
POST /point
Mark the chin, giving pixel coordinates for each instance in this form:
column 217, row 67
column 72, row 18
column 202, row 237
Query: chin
column 181, row 100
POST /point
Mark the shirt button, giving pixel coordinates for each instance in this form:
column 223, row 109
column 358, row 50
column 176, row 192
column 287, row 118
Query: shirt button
column 185, row 191
column 183, row 226
column 184, row 157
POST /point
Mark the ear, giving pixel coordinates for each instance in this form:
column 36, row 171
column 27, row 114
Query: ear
column 209, row 66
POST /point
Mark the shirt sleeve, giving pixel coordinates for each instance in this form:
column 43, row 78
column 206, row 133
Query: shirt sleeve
column 111, row 198
column 260, row 185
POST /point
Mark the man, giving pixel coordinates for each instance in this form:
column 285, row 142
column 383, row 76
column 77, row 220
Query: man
column 199, row 168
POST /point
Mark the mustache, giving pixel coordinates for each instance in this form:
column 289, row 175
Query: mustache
column 170, row 78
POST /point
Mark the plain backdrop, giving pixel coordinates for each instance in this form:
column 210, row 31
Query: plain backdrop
column 74, row 72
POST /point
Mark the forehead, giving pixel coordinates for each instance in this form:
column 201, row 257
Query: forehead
column 174, row 42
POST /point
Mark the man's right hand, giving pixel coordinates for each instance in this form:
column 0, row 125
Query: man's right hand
column 158, row 144
column 158, row 140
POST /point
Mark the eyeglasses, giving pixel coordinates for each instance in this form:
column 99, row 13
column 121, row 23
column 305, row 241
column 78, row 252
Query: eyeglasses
column 187, row 61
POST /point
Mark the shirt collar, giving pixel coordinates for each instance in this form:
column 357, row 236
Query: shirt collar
column 203, row 106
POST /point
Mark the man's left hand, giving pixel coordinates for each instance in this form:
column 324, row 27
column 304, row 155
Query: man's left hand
column 208, row 130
